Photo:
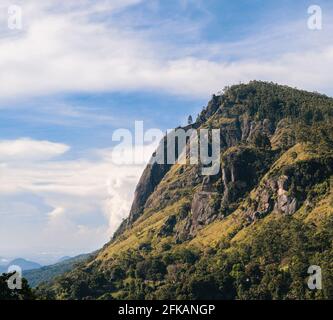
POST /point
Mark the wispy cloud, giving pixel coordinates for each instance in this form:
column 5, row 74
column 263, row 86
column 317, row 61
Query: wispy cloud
column 26, row 150
column 61, row 114
column 70, row 49
column 70, row 196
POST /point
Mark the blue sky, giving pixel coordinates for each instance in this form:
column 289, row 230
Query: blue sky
column 79, row 70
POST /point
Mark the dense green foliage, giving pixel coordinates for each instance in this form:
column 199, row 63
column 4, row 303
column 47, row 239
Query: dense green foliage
column 277, row 154
column 17, row 294
column 273, row 265
column 48, row 273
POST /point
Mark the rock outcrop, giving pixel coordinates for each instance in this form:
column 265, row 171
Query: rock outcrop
column 253, row 136
column 236, row 234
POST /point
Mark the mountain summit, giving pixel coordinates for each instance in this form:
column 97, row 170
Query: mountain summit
column 249, row 232
column 20, row 262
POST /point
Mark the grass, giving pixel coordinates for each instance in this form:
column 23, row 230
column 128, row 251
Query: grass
column 322, row 210
column 301, row 151
column 141, row 232
column 218, row 230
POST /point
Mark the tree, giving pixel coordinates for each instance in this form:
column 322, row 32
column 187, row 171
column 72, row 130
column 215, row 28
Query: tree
column 17, row 294
column 190, row 120
column 261, row 141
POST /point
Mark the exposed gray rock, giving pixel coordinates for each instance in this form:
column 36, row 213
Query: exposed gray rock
column 202, row 214
column 284, row 203
column 273, row 196
column 168, row 227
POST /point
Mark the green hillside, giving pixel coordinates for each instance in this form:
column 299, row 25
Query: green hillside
column 48, row 273
column 250, row 232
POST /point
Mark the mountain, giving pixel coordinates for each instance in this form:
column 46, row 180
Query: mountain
column 3, row 261
column 251, row 231
column 22, row 263
column 64, row 259
column 48, row 273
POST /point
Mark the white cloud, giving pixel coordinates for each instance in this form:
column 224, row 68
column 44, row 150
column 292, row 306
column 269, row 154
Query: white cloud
column 67, row 50
column 63, row 205
column 56, row 213
column 27, row 149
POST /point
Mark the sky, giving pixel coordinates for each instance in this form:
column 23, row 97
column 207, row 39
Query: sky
column 78, row 70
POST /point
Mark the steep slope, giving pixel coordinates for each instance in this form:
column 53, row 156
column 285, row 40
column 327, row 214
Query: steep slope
column 48, row 273
column 250, row 231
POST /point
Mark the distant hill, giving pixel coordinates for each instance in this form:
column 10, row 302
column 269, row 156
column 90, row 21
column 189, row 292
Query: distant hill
column 25, row 264
column 64, row 259
column 22, row 263
column 48, row 273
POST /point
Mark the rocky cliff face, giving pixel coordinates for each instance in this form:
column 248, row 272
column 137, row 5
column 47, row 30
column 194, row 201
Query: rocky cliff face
column 252, row 139
column 276, row 160
column 151, row 177
column 279, row 193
